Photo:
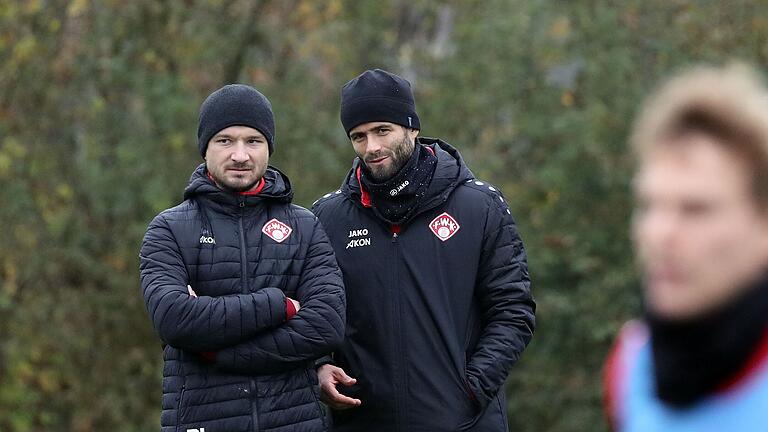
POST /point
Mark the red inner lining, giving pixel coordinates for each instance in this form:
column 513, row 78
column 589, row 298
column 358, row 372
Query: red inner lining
column 758, row 358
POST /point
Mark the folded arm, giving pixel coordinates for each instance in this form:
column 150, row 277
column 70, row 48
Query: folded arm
column 198, row 323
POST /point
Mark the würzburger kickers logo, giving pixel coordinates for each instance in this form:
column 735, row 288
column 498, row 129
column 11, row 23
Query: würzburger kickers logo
column 444, row 226
column 276, row 230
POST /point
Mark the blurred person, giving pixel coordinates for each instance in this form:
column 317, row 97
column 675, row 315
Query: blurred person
column 439, row 301
column 241, row 285
column 698, row 360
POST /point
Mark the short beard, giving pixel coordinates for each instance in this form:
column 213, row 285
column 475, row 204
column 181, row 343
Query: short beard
column 238, row 189
column 401, row 152
column 224, row 185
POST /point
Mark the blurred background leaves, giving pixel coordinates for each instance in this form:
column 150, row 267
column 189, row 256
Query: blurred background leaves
column 98, row 114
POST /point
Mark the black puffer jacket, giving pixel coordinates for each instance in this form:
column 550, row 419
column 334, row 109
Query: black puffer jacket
column 242, row 255
column 438, row 312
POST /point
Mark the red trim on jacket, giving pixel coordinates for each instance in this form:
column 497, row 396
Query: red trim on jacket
column 290, row 309
column 255, row 191
column 208, row 356
column 757, row 360
column 365, row 197
column 471, row 393
column 632, row 336
column 612, row 374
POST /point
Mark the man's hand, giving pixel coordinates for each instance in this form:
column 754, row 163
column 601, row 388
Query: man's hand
column 191, row 291
column 329, row 376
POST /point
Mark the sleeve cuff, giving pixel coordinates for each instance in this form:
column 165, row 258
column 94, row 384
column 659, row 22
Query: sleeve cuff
column 323, row 361
column 470, row 393
column 290, row 309
column 208, row 356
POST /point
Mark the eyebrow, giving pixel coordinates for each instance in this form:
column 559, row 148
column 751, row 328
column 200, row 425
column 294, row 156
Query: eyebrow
column 217, row 136
column 371, row 129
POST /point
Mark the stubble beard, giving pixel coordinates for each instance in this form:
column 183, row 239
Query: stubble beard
column 400, row 154
column 235, row 185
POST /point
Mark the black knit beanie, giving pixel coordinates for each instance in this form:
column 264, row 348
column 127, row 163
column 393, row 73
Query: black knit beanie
column 378, row 95
column 235, row 105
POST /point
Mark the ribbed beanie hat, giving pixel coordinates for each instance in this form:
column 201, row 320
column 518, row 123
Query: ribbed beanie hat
column 235, row 105
column 378, row 95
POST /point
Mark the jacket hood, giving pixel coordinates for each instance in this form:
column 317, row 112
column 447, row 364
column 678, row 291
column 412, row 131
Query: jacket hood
column 277, row 187
column 449, row 173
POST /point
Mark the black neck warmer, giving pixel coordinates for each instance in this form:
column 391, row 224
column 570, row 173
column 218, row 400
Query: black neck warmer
column 395, row 200
column 693, row 358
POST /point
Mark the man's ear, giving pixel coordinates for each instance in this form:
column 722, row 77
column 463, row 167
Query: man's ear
column 413, row 133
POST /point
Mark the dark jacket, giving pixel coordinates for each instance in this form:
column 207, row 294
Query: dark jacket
column 225, row 246
column 435, row 319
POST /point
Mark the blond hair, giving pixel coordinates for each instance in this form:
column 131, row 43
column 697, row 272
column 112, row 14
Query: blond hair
column 729, row 104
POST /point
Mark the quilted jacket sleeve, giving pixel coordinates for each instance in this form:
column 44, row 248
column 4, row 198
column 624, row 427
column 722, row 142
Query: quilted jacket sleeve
column 316, row 330
column 202, row 323
column 506, row 305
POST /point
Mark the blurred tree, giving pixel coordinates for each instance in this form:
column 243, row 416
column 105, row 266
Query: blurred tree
column 98, row 113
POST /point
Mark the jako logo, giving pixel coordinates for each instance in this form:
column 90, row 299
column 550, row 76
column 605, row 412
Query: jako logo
column 196, row 430
column 444, row 226
column 204, row 239
column 397, row 190
column 358, row 242
column 358, row 232
column 277, row 230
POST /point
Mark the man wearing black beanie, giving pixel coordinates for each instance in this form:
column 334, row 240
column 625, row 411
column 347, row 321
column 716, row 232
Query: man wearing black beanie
column 241, row 285
column 439, row 301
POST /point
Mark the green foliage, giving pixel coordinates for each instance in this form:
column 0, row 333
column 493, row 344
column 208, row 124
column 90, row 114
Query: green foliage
column 98, row 113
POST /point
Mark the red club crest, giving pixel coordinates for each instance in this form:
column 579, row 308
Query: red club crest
column 276, row 230
column 444, row 226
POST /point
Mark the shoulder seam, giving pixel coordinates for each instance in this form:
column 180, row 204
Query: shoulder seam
column 495, row 194
column 327, row 197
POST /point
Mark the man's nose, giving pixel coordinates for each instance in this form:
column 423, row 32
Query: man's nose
column 239, row 154
column 373, row 144
column 659, row 227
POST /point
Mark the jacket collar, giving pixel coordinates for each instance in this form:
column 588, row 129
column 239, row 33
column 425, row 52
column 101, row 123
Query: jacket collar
column 276, row 188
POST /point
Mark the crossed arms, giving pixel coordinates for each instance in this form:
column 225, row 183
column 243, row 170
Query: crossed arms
column 249, row 333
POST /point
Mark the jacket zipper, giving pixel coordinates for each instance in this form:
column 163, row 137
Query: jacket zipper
column 400, row 406
column 181, row 400
column 254, row 416
column 243, row 258
column 244, row 288
column 183, row 388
